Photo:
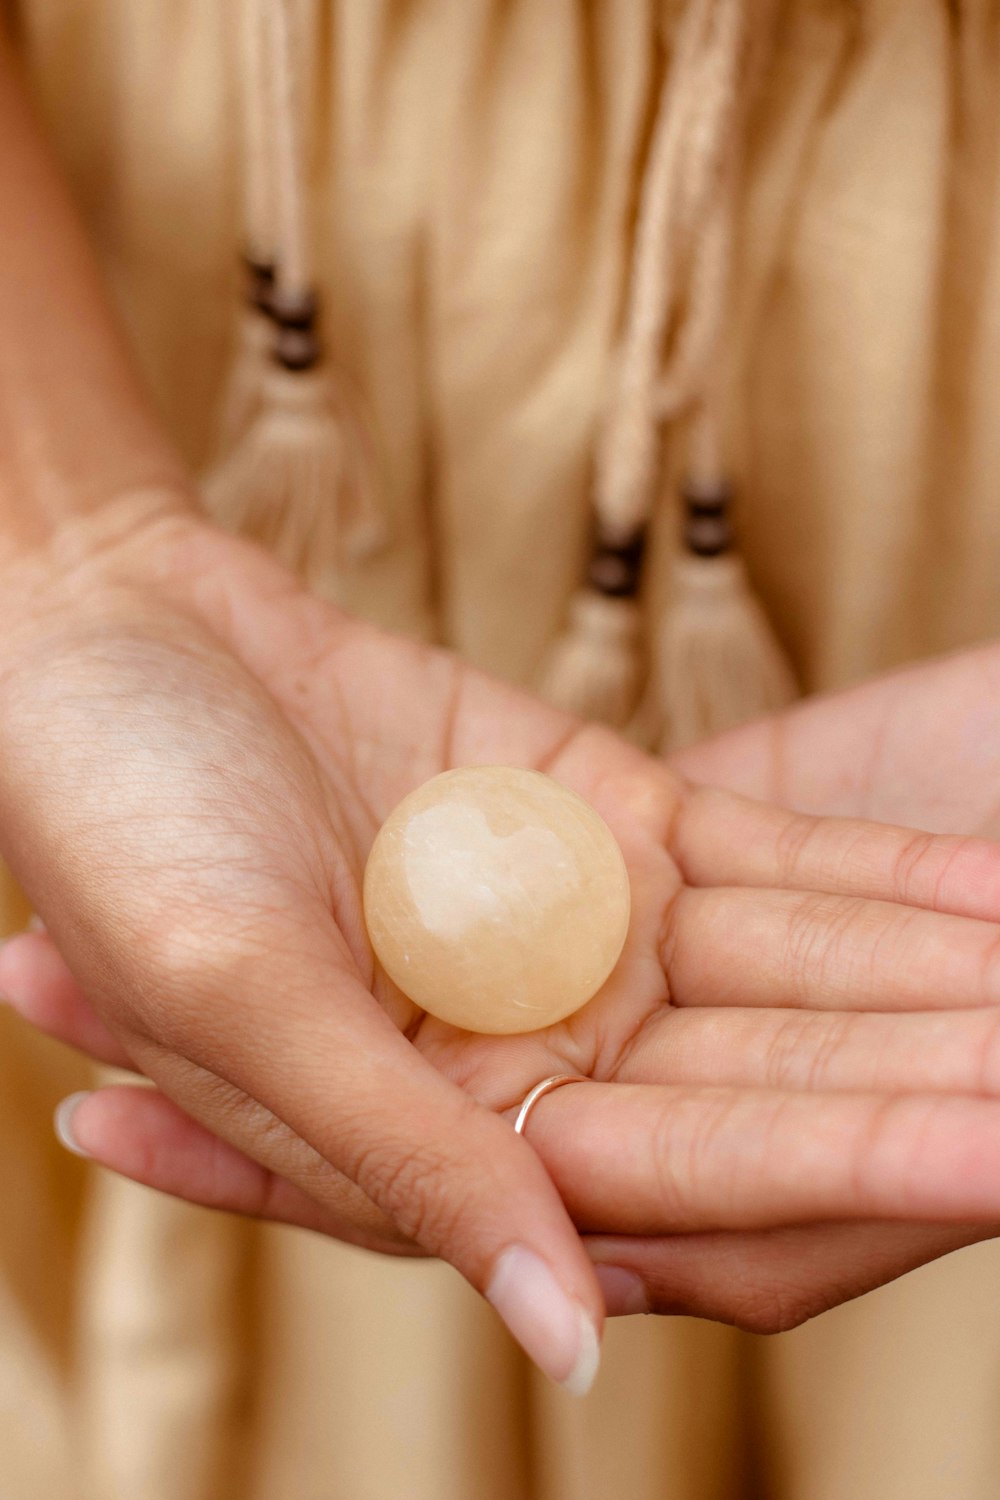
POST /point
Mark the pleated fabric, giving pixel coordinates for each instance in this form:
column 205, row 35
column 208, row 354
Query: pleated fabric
column 475, row 169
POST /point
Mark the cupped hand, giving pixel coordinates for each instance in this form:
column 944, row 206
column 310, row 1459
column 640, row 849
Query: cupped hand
column 196, row 756
column 918, row 747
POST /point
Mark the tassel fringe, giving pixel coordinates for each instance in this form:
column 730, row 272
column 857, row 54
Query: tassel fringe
column 594, row 669
column 243, row 386
column 302, row 479
column 295, row 470
column 718, row 662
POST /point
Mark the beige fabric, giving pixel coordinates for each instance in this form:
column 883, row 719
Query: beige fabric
column 476, row 172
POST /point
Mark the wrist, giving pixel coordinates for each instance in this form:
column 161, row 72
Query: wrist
column 114, row 542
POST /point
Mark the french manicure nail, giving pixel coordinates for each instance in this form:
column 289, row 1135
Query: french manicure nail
column 552, row 1328
column 64, row 1121
column 624, row 1291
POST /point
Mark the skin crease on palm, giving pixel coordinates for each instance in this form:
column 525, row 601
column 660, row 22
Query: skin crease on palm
column 791, row 1096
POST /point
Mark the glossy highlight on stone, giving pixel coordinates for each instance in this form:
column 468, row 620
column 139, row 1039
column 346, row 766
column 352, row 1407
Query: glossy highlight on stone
column 496, row 899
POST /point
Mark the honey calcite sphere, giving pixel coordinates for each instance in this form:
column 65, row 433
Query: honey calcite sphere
column 496, row 899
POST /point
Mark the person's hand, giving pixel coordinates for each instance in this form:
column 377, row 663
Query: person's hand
column 919, row 746
column 195, row 758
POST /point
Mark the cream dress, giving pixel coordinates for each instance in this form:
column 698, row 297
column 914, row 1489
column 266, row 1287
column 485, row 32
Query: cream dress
column 475, row 204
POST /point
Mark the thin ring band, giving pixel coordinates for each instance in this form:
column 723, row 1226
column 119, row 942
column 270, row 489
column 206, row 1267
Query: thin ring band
column 545, row 1087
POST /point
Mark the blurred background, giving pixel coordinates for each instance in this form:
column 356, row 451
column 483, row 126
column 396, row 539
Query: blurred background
column 475, row 166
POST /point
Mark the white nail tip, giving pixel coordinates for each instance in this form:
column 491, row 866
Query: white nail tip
column 551, row 1326
column 583, row 1374
column 63, row 1122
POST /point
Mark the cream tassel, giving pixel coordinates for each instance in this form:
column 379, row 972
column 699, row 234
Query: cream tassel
column 300, row 482
column 595, row 667
column 243, row 385
column 302, row 478
column 717, row 662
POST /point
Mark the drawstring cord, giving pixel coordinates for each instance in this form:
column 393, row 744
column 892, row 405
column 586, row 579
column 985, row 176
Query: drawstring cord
column 295, row 469
column 669, row 368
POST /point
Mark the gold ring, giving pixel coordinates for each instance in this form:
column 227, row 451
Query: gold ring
column 545, row 1087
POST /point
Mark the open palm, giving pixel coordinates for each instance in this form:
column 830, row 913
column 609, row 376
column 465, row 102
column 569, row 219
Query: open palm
column 196, row 758
column 920, row 746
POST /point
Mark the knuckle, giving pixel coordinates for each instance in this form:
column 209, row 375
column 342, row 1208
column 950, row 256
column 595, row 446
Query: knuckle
column 987, row 1068
column 833, row 1039
column 892, row 1148
column 865, row 1159
column 821, row 933
column 783, row 1058
column 162, row 981
column 172, row 949
column 791, row 844
column 763, row 1297
column 651, row 793
column 913, row 854
column 410, row 1186
column 683, row 1146
column 972, row 873
column 677, row 942
column 769, row 1309
column 806, row 931
column 989, row 970
column 186, row 967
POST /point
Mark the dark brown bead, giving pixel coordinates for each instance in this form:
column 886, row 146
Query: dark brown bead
column 707, row 528
column 296, row 343
column 294, row 309
column 296, row 348
column 616, row 565
column 259, row 282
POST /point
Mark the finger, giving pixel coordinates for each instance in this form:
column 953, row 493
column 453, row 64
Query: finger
column 630, row 1159
column 37, row 983
column 234, row 1117
column 764, row 1280
column 44, row 992
column 737, row 947
column 950, row 1052
column 723, row 839
column 317, row 1052
column 837, row 753
column 139, row 1133
column 770, row 1280
column 955, row 1052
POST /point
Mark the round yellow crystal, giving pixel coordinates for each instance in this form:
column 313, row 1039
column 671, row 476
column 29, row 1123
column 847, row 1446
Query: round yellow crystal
column 496, row 899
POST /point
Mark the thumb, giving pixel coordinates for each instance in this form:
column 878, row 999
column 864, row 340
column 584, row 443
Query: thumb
column 317, row 1051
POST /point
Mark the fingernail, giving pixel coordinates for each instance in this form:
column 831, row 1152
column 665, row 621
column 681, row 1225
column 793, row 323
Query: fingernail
column 35, row 923
column 624, row 1291
column 552, row 1328
column 64, row 1121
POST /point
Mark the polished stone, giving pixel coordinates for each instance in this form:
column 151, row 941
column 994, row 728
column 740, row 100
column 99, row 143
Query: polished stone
column 496, row 899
